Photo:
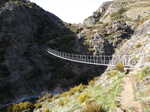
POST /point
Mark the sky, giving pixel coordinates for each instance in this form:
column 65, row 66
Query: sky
column 71, row 11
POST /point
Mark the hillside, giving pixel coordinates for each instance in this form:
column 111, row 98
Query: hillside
column 117, row 90
column 26, row 69
column 122, row 27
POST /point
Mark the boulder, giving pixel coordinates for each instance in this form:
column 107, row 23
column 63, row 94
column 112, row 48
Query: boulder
column 89, row 21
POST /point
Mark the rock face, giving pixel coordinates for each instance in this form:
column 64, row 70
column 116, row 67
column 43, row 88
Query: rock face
column 112, row 34
column 21, row 44
column 138, row 45
column 26, row 69
column 90, row 21
column 97, row 14
column 126, row 29
column 26, row 31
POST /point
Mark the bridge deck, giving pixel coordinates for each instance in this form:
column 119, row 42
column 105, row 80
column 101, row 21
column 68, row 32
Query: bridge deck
column 104, row 60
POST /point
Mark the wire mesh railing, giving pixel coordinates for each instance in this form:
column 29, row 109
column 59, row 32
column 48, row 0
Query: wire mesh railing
column 106, row 60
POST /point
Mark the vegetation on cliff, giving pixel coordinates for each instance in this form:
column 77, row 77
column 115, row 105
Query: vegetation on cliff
column 26, row 69
column 124, row 28
column 118, row 89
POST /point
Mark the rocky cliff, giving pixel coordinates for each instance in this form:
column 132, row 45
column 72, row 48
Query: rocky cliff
column 125, row 26
column 26, row 69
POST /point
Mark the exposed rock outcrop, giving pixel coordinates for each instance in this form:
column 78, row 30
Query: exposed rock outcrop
column 119, row 89
column 97, row 14
column 26, row 31
column 26, row 69
column 22, row 36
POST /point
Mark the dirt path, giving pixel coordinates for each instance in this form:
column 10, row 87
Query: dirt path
column 128, row 96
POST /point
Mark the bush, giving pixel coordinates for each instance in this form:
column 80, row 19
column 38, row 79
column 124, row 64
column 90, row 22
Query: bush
column 93, row 107
column 120, row 67
column 77, row 88
column 46, row 96
column 63, row 101
column 38, row 105
column 73, row 90
column 91, row 83
column 83, row 97
column 20, row 107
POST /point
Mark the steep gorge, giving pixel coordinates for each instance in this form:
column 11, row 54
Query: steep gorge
column 126, row 26
column 26, row 31
column 26, row 69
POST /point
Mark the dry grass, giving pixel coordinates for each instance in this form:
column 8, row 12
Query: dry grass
column 93, row 107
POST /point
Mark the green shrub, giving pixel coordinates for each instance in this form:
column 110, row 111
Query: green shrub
column 46, row 96
column 73, row 90
column 38, row 105
column 63, row 101
column 83, row 97
column 20, row 107
column 92, row 82
column 78, row 88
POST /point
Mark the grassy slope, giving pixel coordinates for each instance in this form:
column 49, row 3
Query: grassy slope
column 97, row 91
column 104, row 91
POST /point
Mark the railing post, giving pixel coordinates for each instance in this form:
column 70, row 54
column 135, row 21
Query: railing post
column 80, row 58
column 93, row 59
column 125, row 60
column 104, row 59
column 88, row 58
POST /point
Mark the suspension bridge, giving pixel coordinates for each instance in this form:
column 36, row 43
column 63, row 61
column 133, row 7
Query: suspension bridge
column 104, row 60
